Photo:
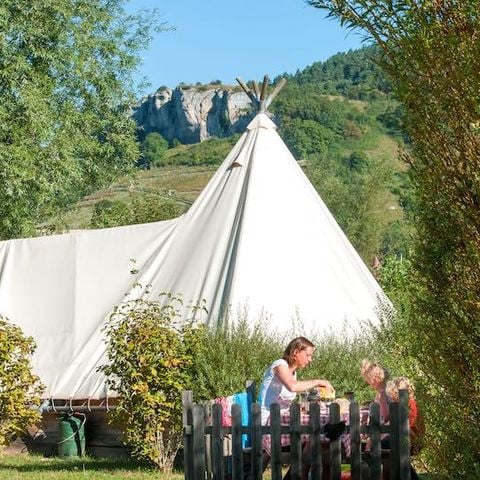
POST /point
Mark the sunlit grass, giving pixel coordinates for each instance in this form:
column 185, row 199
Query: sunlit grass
column 31, row 466
column 19, row 467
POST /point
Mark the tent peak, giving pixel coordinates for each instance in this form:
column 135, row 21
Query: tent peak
column 261, row 120
column 259, row 96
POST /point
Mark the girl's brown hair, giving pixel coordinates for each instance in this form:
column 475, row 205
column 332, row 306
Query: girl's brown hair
column 296, row 345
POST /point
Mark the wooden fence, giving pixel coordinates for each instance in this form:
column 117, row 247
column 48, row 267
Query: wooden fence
column 201, row 435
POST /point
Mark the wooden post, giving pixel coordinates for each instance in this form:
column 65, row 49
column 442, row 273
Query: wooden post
column 355, row 441
column 394, row 442
column 256, row 433
column 275, row 442
column 237, row 450
column 263, row 93
column 208, row 441
column 375, row 447
column 256, row 89
column 198, row 442
column 315, row 442
column 187, row 422
column 259, row 96
column 295, row 442
column 275, row 92
column 250, row 95
column 404, row 435
column 335, row 448
column 217, row 443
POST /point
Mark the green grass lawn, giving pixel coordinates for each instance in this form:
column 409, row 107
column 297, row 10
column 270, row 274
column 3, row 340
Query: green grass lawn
column 19, row 467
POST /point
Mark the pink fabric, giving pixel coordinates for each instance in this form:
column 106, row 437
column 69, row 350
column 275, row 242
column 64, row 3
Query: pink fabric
column 226, row 404
column 305, row 420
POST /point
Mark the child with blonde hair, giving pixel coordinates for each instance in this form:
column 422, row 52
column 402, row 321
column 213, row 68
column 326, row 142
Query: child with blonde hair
column 377, row 376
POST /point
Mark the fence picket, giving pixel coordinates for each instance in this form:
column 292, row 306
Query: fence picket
column 208, row 443
column 404, row 436
column 217, row 443
column 355, row 460
column 256, row 433
column 276, row 461
column 187, row 421
column 394, row 442
column 315, row 443
column 198, row 442
column 237, row 450
column 375, row 446
column 335, row 447
column 295, row 443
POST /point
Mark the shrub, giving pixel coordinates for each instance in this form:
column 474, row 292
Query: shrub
column 142, row 208
column 149, row 362
column 110, row 213
column 230, row 355
column 153, row 148
column 19, row 387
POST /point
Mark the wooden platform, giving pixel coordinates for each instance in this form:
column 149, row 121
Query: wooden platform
column 102, row 439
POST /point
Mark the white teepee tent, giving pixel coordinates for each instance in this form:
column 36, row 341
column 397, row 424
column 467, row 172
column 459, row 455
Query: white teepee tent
column 258, row 236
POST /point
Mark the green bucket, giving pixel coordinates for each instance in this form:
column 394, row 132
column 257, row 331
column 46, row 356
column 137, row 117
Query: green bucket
column 72, row 435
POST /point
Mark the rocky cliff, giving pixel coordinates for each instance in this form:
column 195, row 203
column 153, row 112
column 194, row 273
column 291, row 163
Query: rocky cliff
column 193, row 114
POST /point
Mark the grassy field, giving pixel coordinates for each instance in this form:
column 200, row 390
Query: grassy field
column 184, row 182
column 20, row 467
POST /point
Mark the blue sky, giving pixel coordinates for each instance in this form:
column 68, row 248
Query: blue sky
column 222, row 39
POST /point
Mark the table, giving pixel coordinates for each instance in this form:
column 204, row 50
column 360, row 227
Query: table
column 304, row 420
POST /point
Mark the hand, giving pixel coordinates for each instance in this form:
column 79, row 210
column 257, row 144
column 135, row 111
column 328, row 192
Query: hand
column 327, row 386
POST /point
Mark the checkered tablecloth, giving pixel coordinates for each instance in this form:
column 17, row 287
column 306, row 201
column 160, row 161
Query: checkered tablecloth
column 305, row 420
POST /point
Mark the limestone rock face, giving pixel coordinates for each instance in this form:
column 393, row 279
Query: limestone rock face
column 194, row 114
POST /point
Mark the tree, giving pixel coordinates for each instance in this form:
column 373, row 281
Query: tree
column 305, row 137
column 66, row 91
column 354, row 74
column 432, row 54
column 19, row 387
column 153, row 148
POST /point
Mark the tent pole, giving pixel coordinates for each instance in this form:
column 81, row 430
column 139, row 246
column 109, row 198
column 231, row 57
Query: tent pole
column 263, row 94
column 249, row 93
column 275, row 92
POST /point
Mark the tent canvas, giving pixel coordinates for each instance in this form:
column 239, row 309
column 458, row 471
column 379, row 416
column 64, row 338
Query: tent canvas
column 257, row 238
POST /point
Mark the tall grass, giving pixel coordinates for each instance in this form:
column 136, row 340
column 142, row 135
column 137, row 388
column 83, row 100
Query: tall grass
column 231, row 355
column 239, row 351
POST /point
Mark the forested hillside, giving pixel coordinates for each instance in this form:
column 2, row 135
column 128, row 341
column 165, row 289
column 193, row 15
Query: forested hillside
column 354, row 75
column 339, row 121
